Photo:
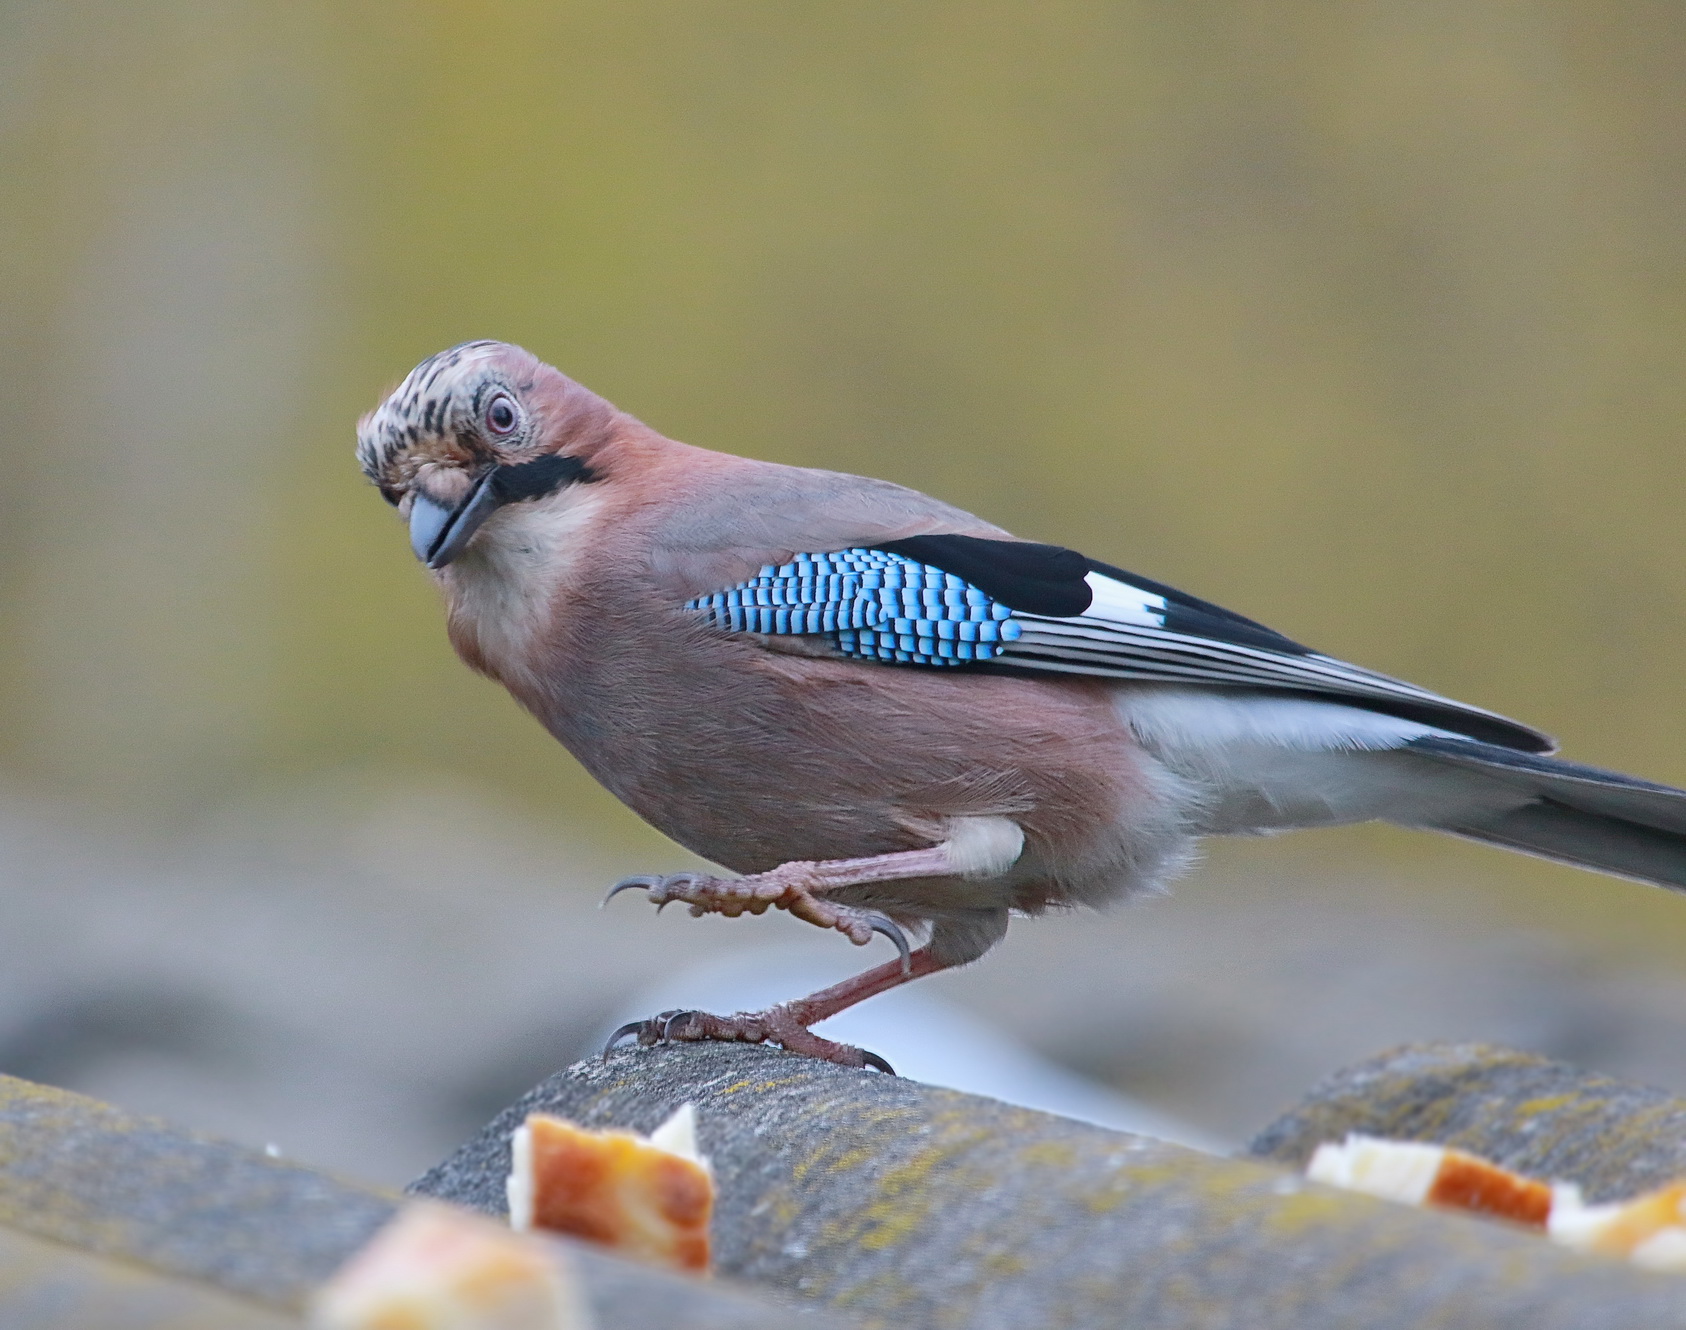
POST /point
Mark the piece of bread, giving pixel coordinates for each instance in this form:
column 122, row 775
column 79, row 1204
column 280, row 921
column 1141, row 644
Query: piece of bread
column 1416, row 1173
column 435, row 1267
column 1649, row 1230
column 648, row 1198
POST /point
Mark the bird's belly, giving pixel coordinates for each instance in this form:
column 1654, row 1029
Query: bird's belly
column 760, row 759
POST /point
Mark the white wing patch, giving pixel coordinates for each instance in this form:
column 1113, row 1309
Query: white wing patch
column 1118, row 602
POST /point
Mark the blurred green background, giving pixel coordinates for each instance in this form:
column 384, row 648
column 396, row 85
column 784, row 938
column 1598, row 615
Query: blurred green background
column 1367, row 320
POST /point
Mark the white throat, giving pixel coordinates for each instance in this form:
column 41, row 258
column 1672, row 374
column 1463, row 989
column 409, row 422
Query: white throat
column 503, row 588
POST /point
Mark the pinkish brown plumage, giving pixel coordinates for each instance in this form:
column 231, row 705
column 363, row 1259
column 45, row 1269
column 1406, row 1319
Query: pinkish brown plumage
column 1072, row 758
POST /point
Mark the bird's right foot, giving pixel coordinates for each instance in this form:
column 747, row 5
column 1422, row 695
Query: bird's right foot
column 779, row 1025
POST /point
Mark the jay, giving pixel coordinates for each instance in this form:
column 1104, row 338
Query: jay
column 890, row 716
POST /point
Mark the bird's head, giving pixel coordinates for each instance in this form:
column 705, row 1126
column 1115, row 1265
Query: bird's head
column 475, row 429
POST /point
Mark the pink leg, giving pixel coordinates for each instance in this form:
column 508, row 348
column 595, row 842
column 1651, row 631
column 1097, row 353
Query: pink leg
column 787, row 1024
column 800, row 887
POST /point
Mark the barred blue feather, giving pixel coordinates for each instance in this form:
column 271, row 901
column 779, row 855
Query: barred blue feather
column 874, row 605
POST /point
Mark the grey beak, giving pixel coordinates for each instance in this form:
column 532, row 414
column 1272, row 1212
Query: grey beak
column 438, row 534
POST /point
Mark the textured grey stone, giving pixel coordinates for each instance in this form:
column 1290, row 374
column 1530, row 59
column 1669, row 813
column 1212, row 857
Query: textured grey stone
column 912, row 1206
column 1542, row 1118
column 624, row 1296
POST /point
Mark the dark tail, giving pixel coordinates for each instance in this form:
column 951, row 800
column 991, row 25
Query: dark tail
column 1574, row 814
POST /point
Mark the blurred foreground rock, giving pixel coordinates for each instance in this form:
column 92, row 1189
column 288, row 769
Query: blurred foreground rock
column 1534, row 1116
column 45, row 1284
column 113, row 1220
column 913, row 1206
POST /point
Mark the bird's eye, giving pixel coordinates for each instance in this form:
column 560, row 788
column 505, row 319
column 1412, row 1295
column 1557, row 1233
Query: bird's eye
column 500, row 415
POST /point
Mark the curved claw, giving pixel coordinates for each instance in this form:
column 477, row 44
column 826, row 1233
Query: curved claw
column 669, row 1019
column 647, row 881
column 882, row 923
column 658, row 1029
column 631, row 1027
column 873, row 1060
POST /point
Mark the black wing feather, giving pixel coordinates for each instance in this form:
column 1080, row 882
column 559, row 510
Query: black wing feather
column 1022, row 575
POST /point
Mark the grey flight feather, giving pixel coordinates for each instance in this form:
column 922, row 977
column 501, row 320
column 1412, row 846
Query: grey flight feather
column 1574, row 814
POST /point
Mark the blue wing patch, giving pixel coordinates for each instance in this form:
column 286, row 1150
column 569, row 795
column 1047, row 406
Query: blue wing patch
column 873, row 604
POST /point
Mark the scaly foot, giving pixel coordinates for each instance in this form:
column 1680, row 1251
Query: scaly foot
column 794, row 886
column 780, row 1025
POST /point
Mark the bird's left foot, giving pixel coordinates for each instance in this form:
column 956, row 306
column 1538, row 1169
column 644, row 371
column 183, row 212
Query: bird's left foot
column 795, row 887
column 780, row 1025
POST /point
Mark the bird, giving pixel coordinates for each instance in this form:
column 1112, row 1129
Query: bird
column 888, row 716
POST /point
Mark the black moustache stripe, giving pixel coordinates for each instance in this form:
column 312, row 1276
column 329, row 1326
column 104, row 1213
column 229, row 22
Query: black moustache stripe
column 534, row 480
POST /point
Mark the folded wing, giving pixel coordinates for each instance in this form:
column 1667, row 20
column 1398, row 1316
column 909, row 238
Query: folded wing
column 949, row 601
